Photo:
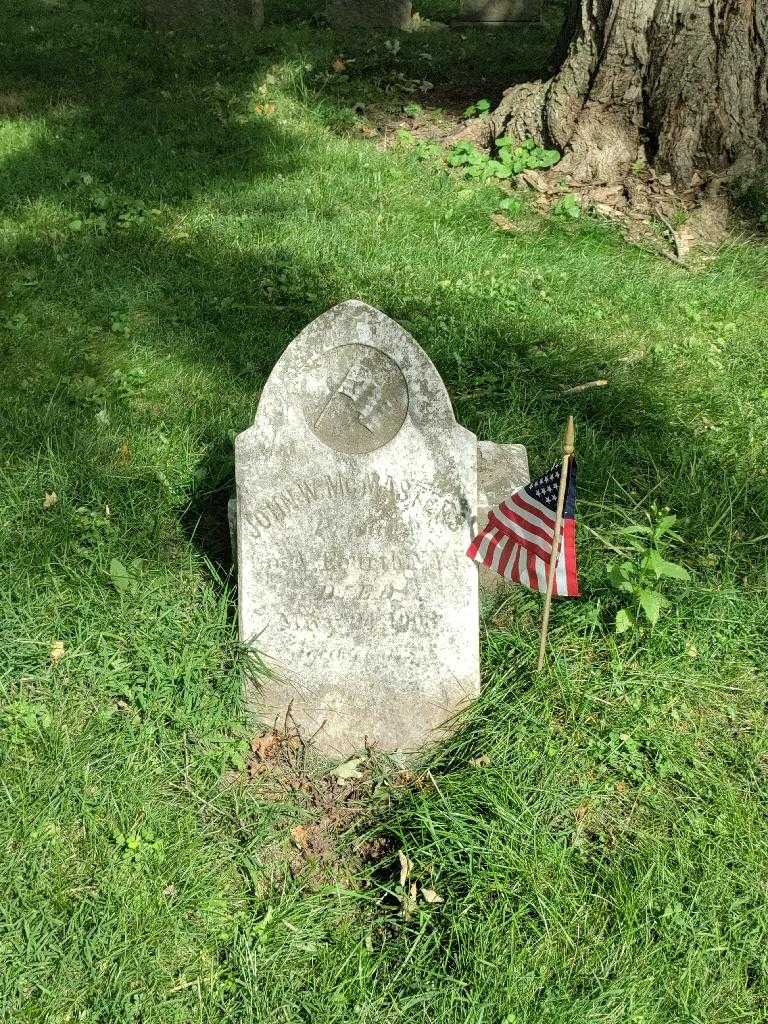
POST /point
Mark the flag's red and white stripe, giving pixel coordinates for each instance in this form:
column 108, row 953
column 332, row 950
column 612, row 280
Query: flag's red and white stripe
column 517, row 543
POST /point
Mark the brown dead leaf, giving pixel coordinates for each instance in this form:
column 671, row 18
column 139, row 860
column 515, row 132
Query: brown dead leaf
column 124, row 452
column 480, row 762
column 56, row 652
column 300, row 837
column 409, row 903
column 406, row 867
column 580, row 812
column 265, row 746
column 502, row 222
column 537, row 181
column 605, row 210
column 50, row 500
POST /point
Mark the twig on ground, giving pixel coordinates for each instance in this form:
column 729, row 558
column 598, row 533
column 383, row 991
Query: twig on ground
column 583, row 387
column 437, row 788
column 661, row 252
column 672, row 233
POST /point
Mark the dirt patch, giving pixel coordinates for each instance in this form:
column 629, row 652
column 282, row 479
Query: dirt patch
column 335, row 805
column 13, row 104
column 684, row 226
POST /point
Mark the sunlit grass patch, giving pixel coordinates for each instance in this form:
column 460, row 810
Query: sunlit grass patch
column 597, row 833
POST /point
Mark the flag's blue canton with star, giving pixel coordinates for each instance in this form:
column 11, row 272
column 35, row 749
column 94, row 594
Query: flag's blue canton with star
column 546, row 488
column 517, row 540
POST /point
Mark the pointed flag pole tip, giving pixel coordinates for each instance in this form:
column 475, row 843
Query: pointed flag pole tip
column 569, row 441
column 569, row 446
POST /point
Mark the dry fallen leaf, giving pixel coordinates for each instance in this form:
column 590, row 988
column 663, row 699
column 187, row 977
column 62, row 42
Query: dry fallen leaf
column 299, row 836
column 480, row 762
column 50, row 499
column 265, row 746
column 406, row 867
column 57, row 651
column 347, row 771
column 502, row 222
column 431, row 896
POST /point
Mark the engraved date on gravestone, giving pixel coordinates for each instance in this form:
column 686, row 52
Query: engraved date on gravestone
column 357, row 400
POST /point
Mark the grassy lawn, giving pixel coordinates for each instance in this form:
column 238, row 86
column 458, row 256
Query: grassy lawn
column 173, row 210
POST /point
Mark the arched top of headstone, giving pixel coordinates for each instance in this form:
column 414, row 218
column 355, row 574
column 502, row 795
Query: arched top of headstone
column 357, row 377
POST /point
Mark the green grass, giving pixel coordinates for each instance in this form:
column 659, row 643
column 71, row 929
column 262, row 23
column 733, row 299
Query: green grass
column 598, row 833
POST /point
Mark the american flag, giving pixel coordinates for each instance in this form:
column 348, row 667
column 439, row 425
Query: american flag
column 517, row 539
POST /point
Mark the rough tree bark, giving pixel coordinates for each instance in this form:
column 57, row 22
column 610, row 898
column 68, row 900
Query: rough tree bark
column 680, row 83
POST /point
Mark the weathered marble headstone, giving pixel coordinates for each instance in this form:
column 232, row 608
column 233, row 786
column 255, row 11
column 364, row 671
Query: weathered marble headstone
column 500, row 12
column 356, row 489
column 369, row 14
column 167, row 14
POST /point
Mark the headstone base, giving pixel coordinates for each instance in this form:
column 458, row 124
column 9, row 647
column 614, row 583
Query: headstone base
column 369, row 14
column 496, row 13
column 173, row 14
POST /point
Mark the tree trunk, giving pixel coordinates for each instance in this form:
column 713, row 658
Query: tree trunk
column 682, row 84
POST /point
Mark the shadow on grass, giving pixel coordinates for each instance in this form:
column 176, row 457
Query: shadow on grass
column 133, row 119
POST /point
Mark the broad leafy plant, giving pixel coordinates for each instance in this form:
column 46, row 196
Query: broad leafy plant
column 568, row 206
column 526, row 156
column 642, row 579
column 509, row 160
column 477, row 109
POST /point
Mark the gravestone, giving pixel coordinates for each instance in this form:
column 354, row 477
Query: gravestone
column 369, row 14
column 356, row 493
column 171, row 14
column 500, row 12
column 502, row 469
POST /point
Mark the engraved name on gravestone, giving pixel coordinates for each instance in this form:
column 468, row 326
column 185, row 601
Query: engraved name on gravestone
column 356, row 489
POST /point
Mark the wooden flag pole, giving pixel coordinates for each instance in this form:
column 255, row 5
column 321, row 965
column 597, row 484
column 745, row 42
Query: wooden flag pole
column 568, row 449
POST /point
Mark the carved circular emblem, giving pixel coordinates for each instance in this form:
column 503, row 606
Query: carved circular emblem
column 355, row 399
